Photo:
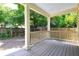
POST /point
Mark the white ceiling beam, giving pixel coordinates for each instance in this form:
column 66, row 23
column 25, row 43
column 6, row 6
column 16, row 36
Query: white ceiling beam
column 38, row 9
column 66, row 11
column 41, row 11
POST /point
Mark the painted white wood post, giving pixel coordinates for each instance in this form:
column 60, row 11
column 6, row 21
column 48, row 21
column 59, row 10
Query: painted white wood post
column 27, row 26
column 78, row 18
column 78, row 23
column 48, row 25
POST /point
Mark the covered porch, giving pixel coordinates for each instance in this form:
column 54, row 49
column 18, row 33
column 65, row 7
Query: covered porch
column 49, row 42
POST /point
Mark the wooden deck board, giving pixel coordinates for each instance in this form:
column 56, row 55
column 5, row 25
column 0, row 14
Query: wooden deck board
column 57, row 51
column 64, row 51
column 38, row 51
column 61, row 51
column 71, row 51
column 48, row 51
column 53, row 51
column 77, row 51
column 52, row 48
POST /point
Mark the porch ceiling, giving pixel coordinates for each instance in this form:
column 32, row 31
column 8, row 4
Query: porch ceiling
column 54, row 8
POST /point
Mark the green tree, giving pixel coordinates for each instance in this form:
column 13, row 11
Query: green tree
column 11, row 18
column 37, row 20
column 68, row 20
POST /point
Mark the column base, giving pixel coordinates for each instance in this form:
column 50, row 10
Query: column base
column 28, row 47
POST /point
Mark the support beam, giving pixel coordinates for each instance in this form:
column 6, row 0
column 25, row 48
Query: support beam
column 38, row 9
column 48, row 25
column 27, row 26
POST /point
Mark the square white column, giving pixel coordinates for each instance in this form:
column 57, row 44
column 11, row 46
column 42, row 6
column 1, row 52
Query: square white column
column 78, row 23
column 48, row 25
column 27, row 26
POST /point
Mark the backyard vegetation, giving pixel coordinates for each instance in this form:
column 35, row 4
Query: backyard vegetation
column 63, row 21
column 37, row 21
column 10, row 20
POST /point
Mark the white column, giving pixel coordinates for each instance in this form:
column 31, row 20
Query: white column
column 78, row 23
column 27, row 26
column 78, row 18
column 48, row 25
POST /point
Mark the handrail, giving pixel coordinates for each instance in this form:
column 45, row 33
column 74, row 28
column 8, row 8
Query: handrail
column 63, row 35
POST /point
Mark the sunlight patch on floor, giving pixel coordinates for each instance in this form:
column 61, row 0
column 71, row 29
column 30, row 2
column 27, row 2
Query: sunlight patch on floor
column 8, row 51
column 1, row 43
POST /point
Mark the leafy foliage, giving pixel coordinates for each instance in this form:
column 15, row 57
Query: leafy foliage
column 67, row 20
column 37, row 20
column 11, row 18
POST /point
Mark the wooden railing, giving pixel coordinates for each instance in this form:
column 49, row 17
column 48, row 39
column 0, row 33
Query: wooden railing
column 38, row 36
column 67, row 34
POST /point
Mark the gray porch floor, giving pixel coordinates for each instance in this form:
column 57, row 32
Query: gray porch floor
column 49, row 48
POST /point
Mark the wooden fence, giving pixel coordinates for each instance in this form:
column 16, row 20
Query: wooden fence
column 21, row 31
column 67, row 34
column 38, row 36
